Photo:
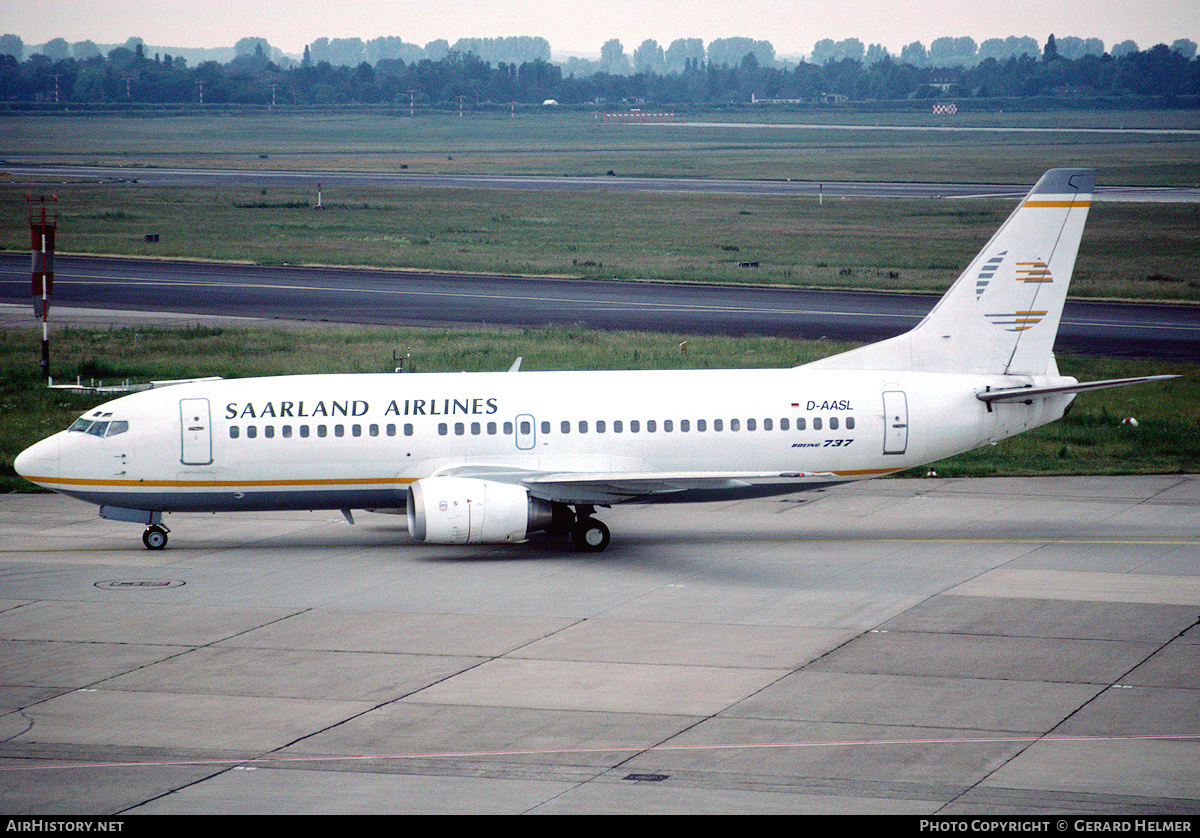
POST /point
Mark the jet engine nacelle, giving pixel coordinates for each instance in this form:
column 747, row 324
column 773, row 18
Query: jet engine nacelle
column 465, row 510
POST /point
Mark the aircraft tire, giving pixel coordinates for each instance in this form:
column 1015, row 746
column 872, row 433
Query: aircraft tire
column 590, row 535
column 155, row 538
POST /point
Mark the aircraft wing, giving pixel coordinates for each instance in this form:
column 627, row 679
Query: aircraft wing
column 614, row 487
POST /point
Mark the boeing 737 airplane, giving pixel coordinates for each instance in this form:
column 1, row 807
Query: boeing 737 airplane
column 492, row 457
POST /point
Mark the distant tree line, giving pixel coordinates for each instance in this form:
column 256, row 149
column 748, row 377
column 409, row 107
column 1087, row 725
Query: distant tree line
column 386, row 71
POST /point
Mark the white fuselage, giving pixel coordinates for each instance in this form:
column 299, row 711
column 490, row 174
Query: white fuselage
column 357, row 441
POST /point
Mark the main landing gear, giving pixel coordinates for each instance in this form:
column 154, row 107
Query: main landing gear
column 588, row 534
column 155, row 537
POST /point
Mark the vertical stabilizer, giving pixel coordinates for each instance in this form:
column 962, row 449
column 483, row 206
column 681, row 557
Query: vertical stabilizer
column 1001, row 316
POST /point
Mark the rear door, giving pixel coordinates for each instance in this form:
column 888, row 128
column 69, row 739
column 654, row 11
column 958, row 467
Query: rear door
column 895, row 422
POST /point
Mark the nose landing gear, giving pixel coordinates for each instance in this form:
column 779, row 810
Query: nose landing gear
column 155, row 537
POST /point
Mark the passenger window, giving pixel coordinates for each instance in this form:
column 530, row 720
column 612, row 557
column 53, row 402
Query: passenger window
column 800, row 423
column 373, row 430
column 833, row 423
column 321, row 431
column 817, row 423
column 701, row 425
column 442, row 429
column 668, row 426
column 618, row 426
column 304, row 431
column 408, row 429
column 768, row 425
column 287, row 431
column 735, row 424
column 651, row 426
column 459, row 429
column 718, row 424
column 508, row 428
column 269, row 431
column 491, row 428
column 849, row 423
column 545, row 427
column 565, row 426
column 526, row 427
column 600, row 426
column 583, row 426
column 339, row 430
column 356, row 430
column 685, row 425
column 635, row 426
column 234, row 432
column 784, row 424
column 251, row 431
column 476, row 429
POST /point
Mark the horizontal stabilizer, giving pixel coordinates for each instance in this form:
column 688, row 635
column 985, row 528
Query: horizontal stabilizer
column 1024, row 394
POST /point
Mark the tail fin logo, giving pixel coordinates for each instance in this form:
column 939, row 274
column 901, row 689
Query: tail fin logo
column 1015, row 321
column 1035, row 271
column 987, row 272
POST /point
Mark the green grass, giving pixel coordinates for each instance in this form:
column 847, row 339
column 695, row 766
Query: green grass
column 1135, row 251
column 739, row 142
column 1130, row 251
column 1091, row 440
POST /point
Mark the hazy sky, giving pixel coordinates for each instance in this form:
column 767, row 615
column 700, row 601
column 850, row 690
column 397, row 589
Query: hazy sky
column 581, row 26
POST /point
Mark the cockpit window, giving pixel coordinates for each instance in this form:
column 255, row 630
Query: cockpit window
column 89, row 426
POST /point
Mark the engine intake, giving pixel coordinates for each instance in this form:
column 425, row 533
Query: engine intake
column 466, row 510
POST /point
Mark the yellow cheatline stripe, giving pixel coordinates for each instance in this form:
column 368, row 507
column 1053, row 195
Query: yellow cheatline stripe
column 1068, row 203
column 333, row 481
column 195, row 484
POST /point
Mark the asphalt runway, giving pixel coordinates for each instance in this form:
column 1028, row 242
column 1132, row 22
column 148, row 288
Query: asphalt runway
column 956, row 647
column 343, row 295
column 36, row 173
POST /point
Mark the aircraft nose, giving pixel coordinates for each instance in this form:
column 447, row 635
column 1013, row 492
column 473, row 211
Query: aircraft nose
column 40, row 460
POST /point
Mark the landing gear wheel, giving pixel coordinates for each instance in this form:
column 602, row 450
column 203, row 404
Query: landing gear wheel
column 590, row 535
column 155, row 537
